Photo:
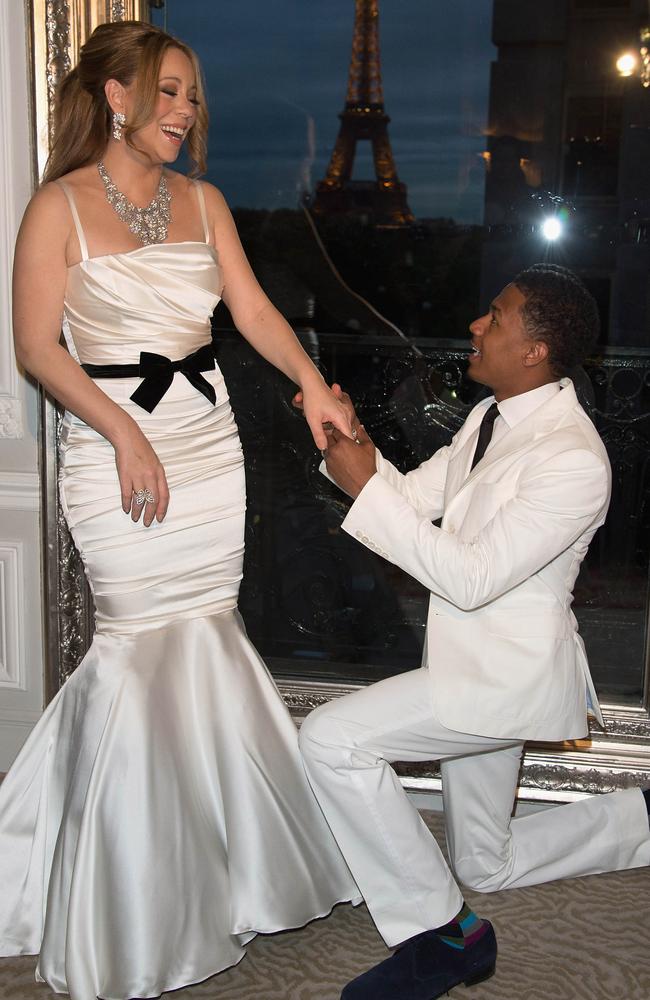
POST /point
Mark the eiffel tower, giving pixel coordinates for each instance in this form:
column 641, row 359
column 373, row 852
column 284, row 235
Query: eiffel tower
column 384, row 199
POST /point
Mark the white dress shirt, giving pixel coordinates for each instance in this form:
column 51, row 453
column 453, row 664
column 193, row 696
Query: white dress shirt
column 516, row 408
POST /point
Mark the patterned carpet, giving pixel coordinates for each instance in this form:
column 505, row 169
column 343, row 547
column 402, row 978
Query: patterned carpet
column 580, row 939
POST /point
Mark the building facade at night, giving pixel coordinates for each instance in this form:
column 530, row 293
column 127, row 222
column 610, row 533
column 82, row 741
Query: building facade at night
column 568, row 138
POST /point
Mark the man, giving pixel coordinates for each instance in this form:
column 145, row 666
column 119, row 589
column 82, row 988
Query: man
column 521, row 489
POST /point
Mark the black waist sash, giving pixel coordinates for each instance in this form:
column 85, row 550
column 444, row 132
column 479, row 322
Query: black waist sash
column 157, row 373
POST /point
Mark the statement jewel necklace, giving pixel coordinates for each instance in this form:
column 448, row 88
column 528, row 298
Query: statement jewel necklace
column 149, row 225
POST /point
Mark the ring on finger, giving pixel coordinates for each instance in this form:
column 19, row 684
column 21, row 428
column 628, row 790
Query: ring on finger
column 144, row 496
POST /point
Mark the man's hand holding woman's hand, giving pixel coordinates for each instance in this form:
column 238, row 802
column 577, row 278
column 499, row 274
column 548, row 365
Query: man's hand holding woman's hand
column 350, row 459
column 350, row 462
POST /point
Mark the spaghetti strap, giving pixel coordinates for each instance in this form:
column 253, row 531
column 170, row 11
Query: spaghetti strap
column 204, row 215
column 75, row 218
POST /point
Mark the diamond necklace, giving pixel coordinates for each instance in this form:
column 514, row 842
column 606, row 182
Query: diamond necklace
column 149, row 224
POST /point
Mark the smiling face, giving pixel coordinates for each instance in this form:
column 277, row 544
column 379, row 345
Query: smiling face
column 175, row 110
column 504, row 357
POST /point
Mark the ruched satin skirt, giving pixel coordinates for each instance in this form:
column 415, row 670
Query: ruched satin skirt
column 159, row 815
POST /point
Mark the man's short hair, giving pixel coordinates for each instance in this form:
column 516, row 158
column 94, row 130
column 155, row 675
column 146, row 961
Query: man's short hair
column 560, row 312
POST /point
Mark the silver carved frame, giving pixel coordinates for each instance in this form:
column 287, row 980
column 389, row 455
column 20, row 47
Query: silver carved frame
column 609, row 760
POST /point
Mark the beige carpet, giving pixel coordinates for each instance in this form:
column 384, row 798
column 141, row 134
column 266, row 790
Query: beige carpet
column 583, row 939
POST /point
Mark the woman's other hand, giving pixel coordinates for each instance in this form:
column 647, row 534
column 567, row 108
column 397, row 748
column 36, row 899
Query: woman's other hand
column 143, row 483
column 40, row 274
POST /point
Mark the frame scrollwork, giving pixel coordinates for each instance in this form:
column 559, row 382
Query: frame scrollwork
column 59, row 29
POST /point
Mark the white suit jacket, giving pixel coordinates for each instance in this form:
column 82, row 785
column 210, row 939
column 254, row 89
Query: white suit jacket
column 502, row 646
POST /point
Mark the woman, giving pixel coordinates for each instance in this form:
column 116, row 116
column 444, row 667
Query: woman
column 158, row 817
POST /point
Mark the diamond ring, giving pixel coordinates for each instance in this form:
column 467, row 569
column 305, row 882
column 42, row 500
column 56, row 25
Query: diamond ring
column 144, row 496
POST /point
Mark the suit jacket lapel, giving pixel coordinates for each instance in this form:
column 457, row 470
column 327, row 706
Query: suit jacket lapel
column 540, row 422
column 459, row 464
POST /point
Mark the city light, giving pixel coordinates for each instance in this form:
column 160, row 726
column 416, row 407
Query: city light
column 551, row 229
column 626, row 64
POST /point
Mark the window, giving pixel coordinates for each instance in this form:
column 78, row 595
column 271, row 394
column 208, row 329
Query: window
column 383, row 199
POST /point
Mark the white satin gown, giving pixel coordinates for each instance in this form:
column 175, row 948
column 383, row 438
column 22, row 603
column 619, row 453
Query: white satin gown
column 158, row 816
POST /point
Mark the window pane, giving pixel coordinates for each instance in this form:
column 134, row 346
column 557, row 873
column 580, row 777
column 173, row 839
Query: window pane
column 381, row 238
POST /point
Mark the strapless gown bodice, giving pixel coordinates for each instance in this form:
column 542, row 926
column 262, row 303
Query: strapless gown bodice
column 158, row 298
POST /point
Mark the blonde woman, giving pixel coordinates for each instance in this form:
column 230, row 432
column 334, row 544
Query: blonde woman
column 158, row 816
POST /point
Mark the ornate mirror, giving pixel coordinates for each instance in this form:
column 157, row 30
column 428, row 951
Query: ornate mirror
column 325, row 614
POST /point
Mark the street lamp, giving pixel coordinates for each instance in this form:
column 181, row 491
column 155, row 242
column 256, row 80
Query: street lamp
column 627, row 63
column 551, row 229
column 636, row 62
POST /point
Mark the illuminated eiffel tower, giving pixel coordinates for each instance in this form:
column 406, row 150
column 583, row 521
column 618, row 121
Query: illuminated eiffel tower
column 384, row 199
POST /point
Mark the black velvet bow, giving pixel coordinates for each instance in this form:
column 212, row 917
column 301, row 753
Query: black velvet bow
column 158, row 371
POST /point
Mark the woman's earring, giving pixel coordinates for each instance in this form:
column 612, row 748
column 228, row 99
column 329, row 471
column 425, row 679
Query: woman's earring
column 119, row 120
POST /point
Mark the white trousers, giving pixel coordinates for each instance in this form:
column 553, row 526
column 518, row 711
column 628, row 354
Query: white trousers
column 395, row 861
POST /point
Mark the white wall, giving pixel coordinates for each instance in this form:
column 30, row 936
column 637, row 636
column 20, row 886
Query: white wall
column 21, row 633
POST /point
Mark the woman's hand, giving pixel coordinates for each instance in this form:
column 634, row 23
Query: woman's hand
column 355, row 423
column 143, row 483
column 322, row 406
column 332, row 407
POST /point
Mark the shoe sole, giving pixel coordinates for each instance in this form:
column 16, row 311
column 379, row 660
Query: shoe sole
column 478, row 977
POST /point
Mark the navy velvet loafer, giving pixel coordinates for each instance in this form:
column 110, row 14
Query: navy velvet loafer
column 424, row 968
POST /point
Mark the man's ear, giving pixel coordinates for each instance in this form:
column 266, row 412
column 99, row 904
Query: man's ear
column 537, row 354
column 114, row 95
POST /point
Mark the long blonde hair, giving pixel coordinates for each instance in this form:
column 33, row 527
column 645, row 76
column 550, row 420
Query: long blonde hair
column 124, row 51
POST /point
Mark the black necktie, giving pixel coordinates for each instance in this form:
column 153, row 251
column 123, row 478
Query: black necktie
column 485, row 433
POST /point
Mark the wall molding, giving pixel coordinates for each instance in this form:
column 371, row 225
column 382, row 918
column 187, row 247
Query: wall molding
column 20, row 491
column 11, row 416
column 21, row 596
column 22, row 717
column 11, row 203
column 12, row 617
column 14, row 731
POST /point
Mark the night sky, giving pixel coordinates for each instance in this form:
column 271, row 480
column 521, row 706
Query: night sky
column 276, row 74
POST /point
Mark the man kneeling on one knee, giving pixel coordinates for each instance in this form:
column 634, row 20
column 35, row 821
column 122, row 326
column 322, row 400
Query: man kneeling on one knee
column 521, row 490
